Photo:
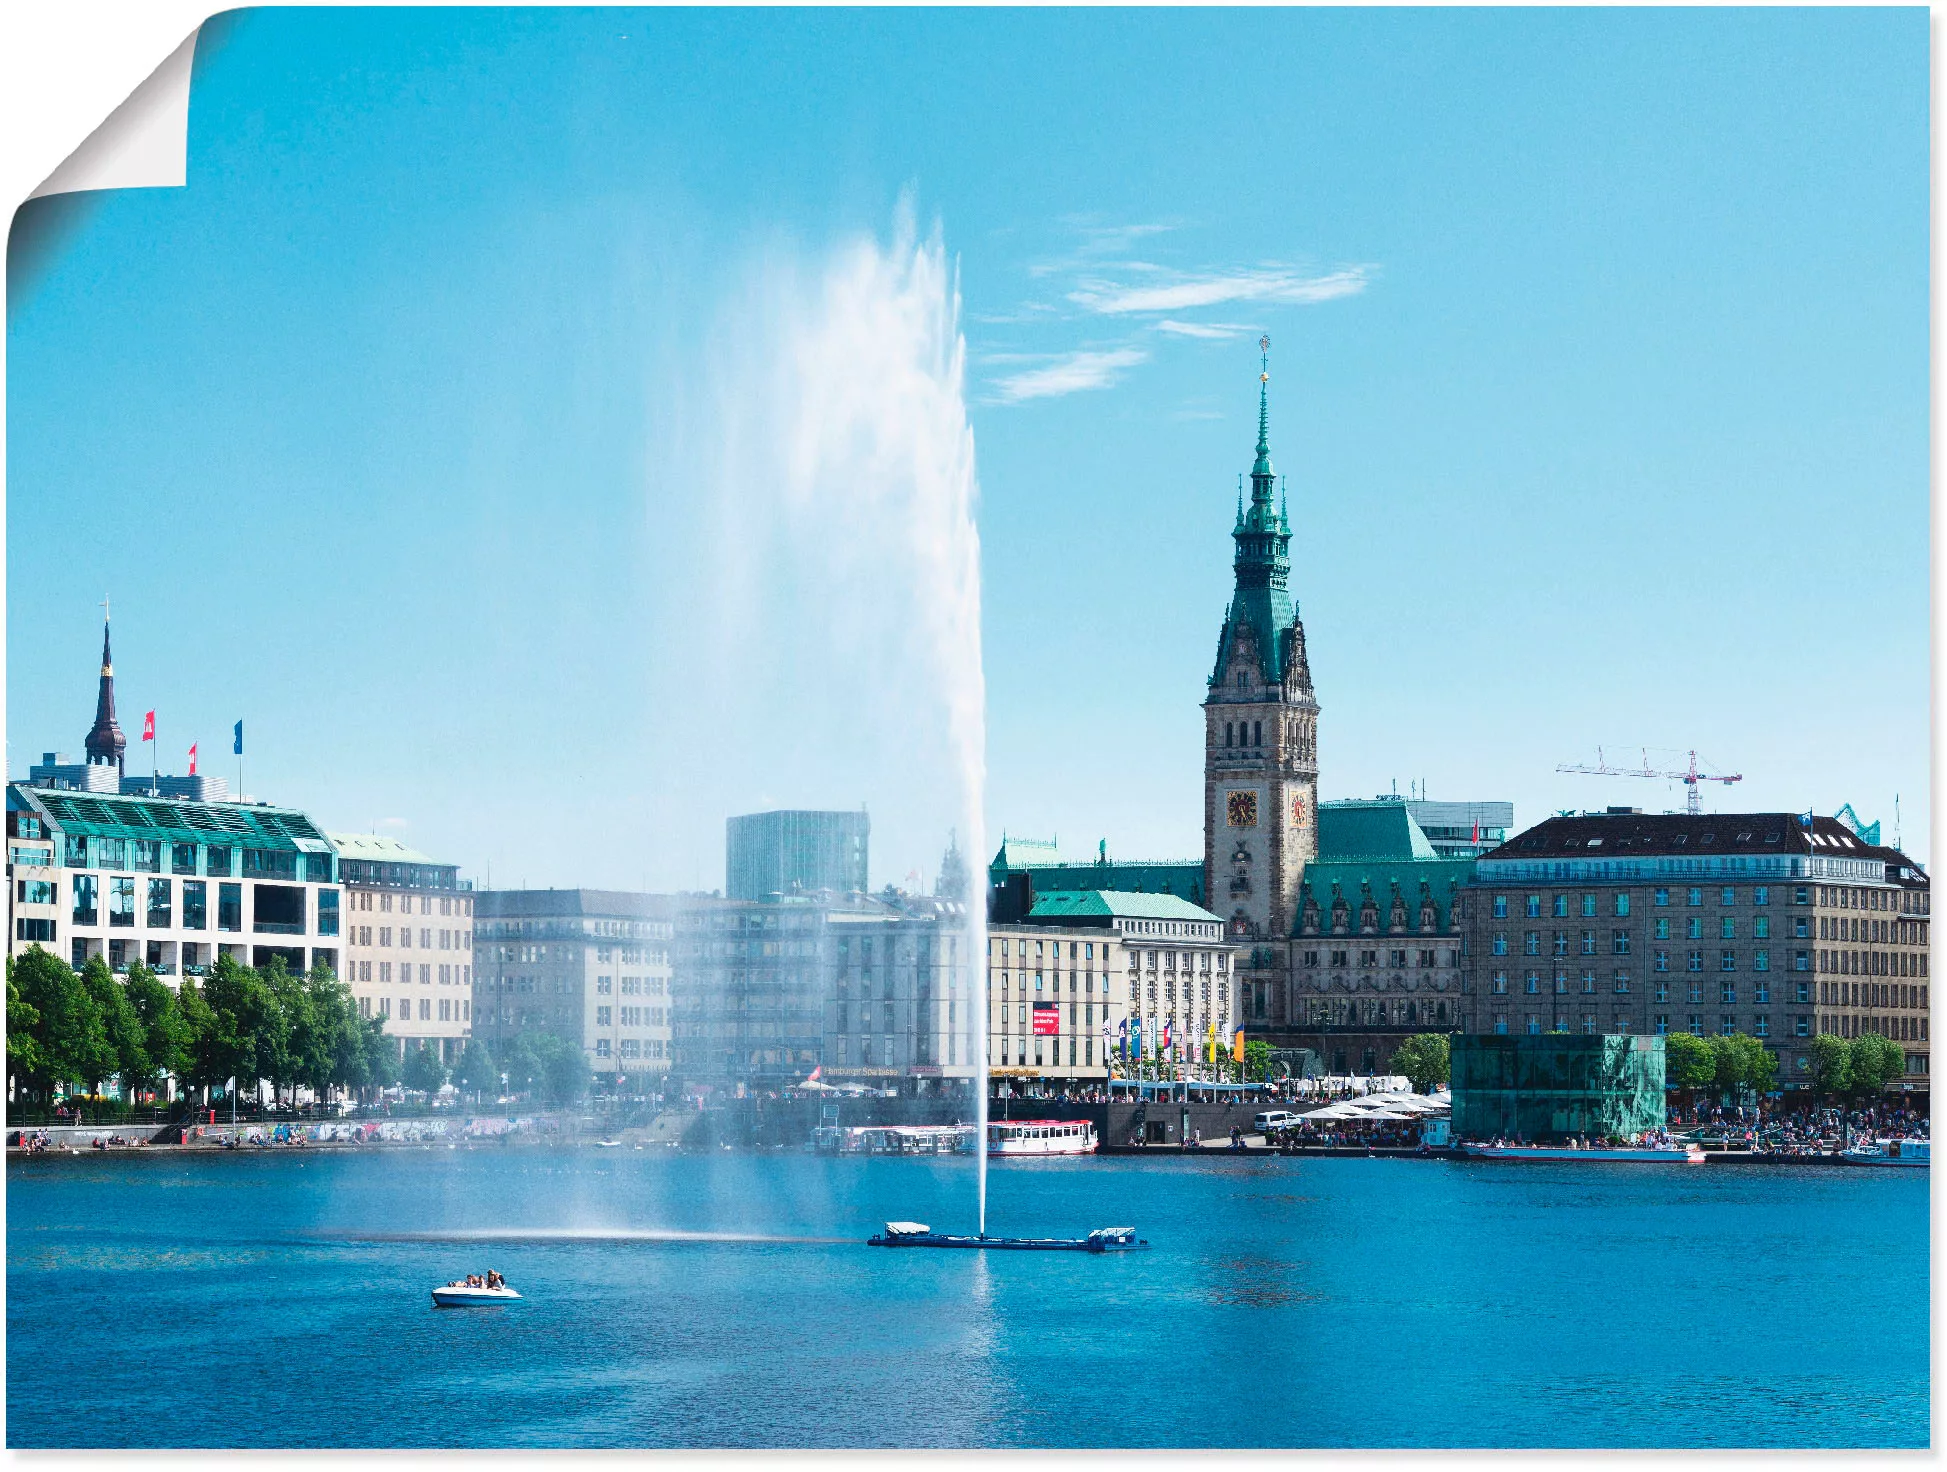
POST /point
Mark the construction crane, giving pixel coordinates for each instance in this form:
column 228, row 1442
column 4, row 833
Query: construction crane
column 1693, row 793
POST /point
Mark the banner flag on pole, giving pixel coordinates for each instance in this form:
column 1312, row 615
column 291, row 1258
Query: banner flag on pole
column 1237, row 1047
column 192, row 759
column 148, row 726
column 239, row 745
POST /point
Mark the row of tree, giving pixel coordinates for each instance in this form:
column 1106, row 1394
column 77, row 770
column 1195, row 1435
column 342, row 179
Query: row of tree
column 76, row 1032
column 1853, row 1068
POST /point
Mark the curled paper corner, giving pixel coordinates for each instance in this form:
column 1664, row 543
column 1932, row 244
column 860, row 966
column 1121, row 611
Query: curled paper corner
column 143, row 144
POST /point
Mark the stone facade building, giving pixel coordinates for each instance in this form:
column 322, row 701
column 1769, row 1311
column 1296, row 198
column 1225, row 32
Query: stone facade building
column 1754, row 923
column 1083, row 974
column 588, row 965
column 408, row 941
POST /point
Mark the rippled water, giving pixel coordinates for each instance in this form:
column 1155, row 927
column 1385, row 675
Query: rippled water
column 729, row 1301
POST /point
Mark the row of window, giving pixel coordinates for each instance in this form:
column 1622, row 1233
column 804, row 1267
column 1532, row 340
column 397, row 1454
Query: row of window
column 1694, row 1023
column 449, row 940
column 1424, row 957
column 448, row 904
column 275, row 908
column 450, row 1010
column 1871, row 994
column 631, row 1016
column 1874, row 963
column 211, row 860
column 448, row 975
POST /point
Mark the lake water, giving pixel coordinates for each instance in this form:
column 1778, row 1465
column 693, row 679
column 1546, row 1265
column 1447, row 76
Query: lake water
column 277, row 1300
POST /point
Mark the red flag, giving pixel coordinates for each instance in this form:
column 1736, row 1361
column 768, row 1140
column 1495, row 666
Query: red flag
column 148, row 726
column 192, row 761
column 1477, row 830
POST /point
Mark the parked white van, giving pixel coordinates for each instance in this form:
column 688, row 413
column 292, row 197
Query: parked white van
column 1274, row 1119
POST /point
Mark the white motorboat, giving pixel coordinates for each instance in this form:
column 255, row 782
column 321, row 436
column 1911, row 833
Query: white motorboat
column 461, row 1295
column 1653, row 1154
column 1910, row 1153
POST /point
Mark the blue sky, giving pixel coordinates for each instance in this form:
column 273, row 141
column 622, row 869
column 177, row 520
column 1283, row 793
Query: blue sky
column 1599, row 376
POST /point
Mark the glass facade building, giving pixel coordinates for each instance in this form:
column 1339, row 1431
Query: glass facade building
column 1543, row 1088
column 794, row 852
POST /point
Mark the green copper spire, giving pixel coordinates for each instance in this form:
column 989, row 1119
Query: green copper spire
column 1263, row 465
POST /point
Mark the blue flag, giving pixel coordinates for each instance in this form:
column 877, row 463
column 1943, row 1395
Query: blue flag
column 239, row 745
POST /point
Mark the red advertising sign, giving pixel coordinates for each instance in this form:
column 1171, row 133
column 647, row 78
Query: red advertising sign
column 1047, row 1018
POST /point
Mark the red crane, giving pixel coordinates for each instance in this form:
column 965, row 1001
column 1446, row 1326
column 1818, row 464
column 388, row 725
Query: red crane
column 1693, row 794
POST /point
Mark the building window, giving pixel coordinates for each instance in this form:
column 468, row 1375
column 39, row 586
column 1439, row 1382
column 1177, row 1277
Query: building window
column 1761, row 895
column 1561, row 907
column 1728, row 994
column 1662, row 1023
column 1500, row 907
column 1727, row 929
column 1761, row 927
column 1622, row 903
column 86, row 891
column 1761, row 993
column 121, row 902
column 1727, row 960
column 1500, row 1022
column 1500, row 983
column 1534, row 907
column 1761, row 959
column 1534, row 1024
column 1696, row 960
column 1696, row 1024
column 229, row 907
column 160, row 903
column 1802, row 1026
column 1663, row 991
column 1696, row 896
column 1622, row 983
column 1619, row 942
column 601, row 1047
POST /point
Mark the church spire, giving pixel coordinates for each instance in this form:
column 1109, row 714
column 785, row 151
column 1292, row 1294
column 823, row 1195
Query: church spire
column 105, row 743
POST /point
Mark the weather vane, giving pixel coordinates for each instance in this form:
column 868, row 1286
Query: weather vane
column 1264, row 347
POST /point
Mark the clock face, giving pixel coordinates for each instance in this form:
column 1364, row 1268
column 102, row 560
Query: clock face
column 1298, row 811
column 1241, row 808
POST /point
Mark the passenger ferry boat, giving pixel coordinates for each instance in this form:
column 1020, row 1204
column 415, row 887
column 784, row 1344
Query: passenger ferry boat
column 1911, row 1153
column 1040, row 1137
column 1670, row 1155
column 894, row 1139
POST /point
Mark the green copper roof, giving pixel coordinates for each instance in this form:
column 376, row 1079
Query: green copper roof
column 374, row 848
column 1370, row 829
column 249, row 825
column 1354, row 879
column 1117, row 904
column 1024, row 853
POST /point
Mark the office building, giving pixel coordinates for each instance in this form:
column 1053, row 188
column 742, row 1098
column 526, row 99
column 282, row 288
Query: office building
column 591, row 966
column 795, row 853
column 1772, row 925
column 170, row 883
column 1546, row 1089
column 408, row 941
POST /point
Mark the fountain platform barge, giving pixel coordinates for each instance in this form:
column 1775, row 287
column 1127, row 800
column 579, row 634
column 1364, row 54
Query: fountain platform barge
column 918, row 1234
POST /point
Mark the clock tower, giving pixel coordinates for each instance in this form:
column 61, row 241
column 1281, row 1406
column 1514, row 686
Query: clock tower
column 1260, row 738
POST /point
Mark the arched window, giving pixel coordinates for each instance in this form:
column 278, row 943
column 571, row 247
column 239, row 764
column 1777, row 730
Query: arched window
column 1257, row 733
column 1227, row 733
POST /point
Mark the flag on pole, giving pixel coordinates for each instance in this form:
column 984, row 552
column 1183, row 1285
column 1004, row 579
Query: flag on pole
column 148, row 726
column 1237, row 1047
column 239, row 745
column 1210, row 1042
column 192, row 759
column 1477, row 830
column 1122, row 1042
column 1166, row 1037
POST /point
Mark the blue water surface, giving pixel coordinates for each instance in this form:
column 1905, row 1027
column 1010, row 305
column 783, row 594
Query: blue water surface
column 262, row 1300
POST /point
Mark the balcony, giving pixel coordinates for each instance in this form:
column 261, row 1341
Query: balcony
column 279, row 927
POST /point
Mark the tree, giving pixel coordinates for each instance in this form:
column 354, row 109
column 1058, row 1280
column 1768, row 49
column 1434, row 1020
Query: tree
column 165, row 1030
column 23, row 1032
column 1743, row 1063
column 1425, row 1059
column 423, row 1070
column 1831, row 1064
column 198, row 1023
column 564, row 1069
column 70, row 1040
column 1873, row 1063
column 477, row 1073
column 128, row 1025
column 120, row 1035
column 246, row 1037
column 520, row 1062
column 286, row 1045
column 1257, row 1059
column 1689, row 1062
column 380, row 1054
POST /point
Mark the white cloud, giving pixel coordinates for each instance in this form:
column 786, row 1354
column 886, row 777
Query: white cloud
column 1201, row 329
column 1270, row 284
column 1070, row 373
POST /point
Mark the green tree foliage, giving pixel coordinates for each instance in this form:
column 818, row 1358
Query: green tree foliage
column 1742, row 1063
column 1689, row 1063
column 1425, row 1059
column 477, row 1073
column 165, row 1030
column 1257, row 1059
column 23, row 1032
column 521, row 1063
column 381, row 1055
column 423, row 1070
column 198, row 1024
column 247, row 1037
column 118, row 1035
column 565, row 1074
column 1831, row 1064
column 71, row 1043
column 1874, row 1062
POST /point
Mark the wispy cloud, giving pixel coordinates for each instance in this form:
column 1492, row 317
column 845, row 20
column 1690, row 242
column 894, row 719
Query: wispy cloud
column 1201, row 329
column 1070, row 373
column 1268, row 284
